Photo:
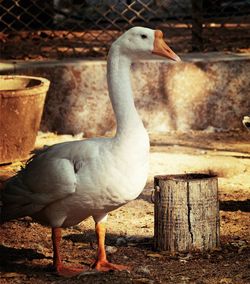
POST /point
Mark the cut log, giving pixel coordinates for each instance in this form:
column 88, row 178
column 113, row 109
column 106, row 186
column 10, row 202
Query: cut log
column 186, row 213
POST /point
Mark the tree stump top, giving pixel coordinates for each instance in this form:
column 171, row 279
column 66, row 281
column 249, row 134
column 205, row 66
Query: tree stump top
column 185, row 177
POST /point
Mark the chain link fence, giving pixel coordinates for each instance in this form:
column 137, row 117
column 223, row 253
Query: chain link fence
column 86, row 28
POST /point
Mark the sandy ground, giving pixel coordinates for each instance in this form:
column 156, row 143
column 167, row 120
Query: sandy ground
column 25, row 250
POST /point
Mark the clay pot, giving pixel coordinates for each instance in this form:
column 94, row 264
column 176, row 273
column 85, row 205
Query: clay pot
column 21, row 106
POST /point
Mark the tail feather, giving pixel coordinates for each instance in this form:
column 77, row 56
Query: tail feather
column 14, row 211
column 15, row 194
column 16, row 200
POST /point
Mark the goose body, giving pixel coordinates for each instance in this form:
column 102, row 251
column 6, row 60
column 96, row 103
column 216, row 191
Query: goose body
column 68, row 182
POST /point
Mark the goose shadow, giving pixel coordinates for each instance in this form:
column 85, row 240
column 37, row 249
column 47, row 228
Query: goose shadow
column 111, row 239
column 16, row 260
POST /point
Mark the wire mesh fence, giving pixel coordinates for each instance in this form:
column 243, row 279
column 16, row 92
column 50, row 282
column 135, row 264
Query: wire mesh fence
column 80, row 28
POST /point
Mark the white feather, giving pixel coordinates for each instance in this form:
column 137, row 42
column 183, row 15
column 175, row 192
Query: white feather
column 67, row 182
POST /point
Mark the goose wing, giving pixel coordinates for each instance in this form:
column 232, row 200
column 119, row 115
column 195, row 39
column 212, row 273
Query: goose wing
column 50, row 175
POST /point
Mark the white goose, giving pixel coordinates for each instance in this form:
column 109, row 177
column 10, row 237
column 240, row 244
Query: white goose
column 68, row 182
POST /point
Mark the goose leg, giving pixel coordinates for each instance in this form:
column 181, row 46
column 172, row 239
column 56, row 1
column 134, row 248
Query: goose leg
column 66, row 271
column 102, row 264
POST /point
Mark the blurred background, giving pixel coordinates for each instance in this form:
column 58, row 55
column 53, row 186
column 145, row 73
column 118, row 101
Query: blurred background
column 86, row 28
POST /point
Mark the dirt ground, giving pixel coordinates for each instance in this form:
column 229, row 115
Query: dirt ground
column 25, row 249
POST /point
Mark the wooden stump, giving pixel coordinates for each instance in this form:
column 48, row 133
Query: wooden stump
column 186, row 212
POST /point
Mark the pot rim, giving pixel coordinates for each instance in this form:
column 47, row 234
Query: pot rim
column 29, row 91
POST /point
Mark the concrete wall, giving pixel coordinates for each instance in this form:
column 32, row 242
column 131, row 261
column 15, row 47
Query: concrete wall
column 204, row 92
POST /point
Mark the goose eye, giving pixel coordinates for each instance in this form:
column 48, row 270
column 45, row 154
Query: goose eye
column 144, row 36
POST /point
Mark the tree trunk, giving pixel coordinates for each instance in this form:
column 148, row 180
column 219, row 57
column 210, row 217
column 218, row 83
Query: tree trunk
column 186, row 212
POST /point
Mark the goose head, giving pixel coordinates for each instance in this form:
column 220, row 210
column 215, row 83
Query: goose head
column 142, row 43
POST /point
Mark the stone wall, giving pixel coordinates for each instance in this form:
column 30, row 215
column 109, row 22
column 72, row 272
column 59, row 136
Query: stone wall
column 204, row 92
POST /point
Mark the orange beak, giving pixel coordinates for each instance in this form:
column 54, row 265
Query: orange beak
column 162, row 49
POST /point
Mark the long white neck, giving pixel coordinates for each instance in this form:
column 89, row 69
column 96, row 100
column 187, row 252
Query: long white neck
column 120, row 93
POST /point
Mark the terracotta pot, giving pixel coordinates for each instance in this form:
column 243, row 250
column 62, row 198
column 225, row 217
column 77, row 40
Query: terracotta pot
column 21, row 106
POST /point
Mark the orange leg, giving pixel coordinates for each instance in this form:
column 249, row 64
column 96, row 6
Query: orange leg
column 102, row 264
column 57, row 262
